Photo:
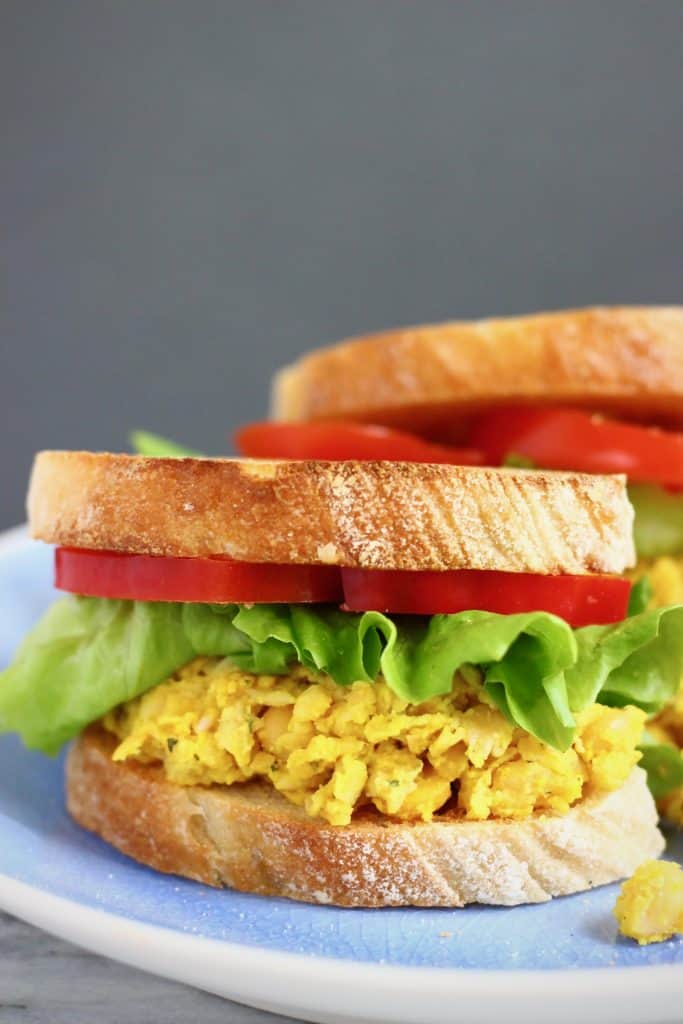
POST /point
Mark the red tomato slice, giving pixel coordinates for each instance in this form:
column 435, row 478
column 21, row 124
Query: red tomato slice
column 579, row 600
column 571, row 439
column 341, row 442
column 209, row 580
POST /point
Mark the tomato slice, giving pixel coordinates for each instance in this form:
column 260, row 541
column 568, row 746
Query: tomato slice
column 209, row 580
column 561, row 438
column 341, row 442
column 579, row 600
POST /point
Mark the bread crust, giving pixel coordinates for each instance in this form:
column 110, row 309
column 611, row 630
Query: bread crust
column 366, row 514
column 625, row 360
column 248, row 837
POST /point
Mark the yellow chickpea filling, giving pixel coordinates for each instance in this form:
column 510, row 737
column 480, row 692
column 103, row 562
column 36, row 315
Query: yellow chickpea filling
column 666, row 578
column 333, row 749
column 650, row 904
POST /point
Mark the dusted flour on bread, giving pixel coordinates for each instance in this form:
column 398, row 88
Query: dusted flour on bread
column 372, row 515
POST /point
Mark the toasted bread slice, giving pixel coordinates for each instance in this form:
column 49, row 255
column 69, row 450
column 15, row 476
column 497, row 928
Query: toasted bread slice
column 250, row 838
column 383, row 515
column 624, row 360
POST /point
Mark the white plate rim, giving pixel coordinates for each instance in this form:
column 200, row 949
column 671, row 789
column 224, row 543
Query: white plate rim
column 310, row 986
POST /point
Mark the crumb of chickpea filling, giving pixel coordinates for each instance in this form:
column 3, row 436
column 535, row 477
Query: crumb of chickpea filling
column 650, row 904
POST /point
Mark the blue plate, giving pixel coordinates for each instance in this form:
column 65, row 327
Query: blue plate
column 72, row 883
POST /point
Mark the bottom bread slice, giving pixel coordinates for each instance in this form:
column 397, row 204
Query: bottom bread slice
column 249, row 837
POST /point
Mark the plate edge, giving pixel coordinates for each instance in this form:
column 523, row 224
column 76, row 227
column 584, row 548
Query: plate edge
column 158, row 947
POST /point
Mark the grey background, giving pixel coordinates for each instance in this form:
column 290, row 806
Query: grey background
column 193, row 193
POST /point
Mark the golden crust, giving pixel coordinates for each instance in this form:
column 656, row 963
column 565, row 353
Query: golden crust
column 367, row 514
column 250, row 838
column 627, row 360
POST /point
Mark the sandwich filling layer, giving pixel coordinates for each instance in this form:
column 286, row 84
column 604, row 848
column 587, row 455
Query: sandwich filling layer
column 480, row 714
column 334, row 749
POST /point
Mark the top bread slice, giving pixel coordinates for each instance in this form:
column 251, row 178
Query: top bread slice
column 622, row 360
column 373, row 515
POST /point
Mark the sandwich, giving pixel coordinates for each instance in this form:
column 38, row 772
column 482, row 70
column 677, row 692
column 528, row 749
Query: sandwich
column 365, row 683
column 595, row 390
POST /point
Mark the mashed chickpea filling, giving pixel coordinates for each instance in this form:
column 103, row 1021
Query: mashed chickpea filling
column 334, row 749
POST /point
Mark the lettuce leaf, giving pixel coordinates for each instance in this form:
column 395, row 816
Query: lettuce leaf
column 88, row 655
column 85, row 656
column 640, row 596
column 664, row 766
column 658, row 525
column 144, row 443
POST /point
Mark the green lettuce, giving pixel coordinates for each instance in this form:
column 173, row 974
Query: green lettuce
column 664, row 766
column 640, row 596
column 88, row 655
column 85, row 656
column 658, row 526
column 144, row 443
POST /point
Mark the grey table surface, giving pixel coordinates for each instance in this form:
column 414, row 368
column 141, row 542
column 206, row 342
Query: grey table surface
column 46, row 981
